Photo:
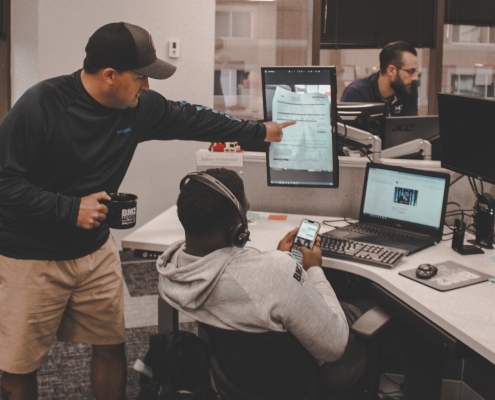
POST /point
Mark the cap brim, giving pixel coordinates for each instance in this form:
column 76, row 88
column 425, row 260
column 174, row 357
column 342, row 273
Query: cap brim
column 158, row 70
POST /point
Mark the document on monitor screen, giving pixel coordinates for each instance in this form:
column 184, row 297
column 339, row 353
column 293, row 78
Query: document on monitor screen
column 307, row 145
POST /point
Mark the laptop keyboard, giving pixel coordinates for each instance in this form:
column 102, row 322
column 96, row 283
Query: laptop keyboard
column 351, row 250
column 388, row 234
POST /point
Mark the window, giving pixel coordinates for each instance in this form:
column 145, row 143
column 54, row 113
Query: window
column 251, row 34
column 469, row 60
column 232, row 24
column 472, row 34
column 5, row 58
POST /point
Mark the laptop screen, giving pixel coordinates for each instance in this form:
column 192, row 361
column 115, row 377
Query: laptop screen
column 400, row 195
column 307, row 155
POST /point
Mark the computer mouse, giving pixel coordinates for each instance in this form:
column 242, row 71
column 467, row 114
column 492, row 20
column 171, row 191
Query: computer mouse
column 426, row 271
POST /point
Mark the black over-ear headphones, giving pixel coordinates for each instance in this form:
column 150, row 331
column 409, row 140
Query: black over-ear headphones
column 239, row 233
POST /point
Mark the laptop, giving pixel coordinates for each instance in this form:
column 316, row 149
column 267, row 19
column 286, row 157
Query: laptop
column 400, row 207
column 399, row 130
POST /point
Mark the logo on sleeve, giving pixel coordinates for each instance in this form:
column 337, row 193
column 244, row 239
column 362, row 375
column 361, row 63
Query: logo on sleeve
column 126, row 130
column 299, row 274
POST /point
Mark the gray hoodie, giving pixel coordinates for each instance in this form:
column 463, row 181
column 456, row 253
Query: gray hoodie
column 250, row 291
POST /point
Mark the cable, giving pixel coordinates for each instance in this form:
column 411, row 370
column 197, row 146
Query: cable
column 392, row 393
column 451, row 214
column 327, row 223
column 365, row 154
column 350, row 223
column 396, row 391
column 391, row 380
column 472, row 182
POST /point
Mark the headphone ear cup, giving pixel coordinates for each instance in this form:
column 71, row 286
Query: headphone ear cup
column 238, row 236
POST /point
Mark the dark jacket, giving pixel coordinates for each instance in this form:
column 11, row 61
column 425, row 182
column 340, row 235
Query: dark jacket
column 365, row 90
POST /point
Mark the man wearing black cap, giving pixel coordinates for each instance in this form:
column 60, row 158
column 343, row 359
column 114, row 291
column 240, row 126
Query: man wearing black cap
column 65, row 145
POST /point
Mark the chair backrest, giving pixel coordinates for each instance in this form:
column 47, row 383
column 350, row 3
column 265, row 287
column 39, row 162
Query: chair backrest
column 263, row 365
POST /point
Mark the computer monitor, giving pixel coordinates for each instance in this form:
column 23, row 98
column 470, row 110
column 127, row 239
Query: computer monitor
column 307, row 155
column 368, row 117
column 400, row 130
column 467, row 135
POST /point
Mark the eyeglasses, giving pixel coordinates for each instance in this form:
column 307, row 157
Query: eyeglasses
column 409, row 71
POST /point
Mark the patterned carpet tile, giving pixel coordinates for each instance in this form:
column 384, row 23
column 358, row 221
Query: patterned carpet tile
column 65, row 374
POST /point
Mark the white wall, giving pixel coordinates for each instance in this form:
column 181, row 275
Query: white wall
column 49, row 37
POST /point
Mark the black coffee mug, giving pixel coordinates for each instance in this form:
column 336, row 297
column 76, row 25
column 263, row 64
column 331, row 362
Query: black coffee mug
column 121, row 210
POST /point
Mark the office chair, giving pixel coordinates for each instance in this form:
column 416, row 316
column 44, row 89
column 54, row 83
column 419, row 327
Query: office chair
column 273, row 365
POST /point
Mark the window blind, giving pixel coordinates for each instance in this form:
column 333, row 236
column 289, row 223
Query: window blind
column 470, row 12
column 349, row 24
column 2, row 19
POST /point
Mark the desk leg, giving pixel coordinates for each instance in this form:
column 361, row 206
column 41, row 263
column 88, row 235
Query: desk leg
column 168, row 317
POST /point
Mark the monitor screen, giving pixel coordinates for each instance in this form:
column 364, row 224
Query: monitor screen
column 415, row 197
column 467, row 135
column 307, row 155
column 368, row 117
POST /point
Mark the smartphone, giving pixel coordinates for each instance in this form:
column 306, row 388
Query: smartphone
column 306, row 236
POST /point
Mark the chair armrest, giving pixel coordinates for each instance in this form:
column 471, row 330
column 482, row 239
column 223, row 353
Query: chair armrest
column 371, row 322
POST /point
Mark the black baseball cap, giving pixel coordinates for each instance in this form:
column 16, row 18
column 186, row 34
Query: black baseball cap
column 125, row 46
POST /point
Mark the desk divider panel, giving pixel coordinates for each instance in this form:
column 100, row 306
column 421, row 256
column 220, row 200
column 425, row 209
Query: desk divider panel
column 342, row 202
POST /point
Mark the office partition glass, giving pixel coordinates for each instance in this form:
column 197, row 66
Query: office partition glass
column 250, row 34
column 469, row 60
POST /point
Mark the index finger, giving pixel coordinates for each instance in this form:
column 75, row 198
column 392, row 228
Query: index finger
column 286, row 124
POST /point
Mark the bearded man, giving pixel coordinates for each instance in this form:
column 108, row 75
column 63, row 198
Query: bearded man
column 395, row 84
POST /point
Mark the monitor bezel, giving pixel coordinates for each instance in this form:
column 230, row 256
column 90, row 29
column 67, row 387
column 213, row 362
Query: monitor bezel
column 441, row 121
column 395, row 223
column 332, row 70
column 366, row 114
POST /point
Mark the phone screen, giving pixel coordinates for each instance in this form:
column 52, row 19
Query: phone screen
column 306, row 236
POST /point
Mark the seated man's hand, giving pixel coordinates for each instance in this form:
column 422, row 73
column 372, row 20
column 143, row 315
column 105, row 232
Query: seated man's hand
column 311, row 258
column 286, row 243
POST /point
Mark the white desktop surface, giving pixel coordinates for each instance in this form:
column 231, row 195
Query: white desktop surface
column 467, row 313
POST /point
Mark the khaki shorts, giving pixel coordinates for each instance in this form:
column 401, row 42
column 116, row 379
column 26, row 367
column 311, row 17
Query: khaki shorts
column 79, row 300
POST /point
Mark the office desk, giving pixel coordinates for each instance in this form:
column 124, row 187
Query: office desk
column 466, row 315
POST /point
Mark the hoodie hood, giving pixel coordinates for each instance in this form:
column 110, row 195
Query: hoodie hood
column 189, row 286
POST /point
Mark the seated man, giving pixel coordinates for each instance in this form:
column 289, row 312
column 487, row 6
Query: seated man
column 395, row 84
column 211, row 280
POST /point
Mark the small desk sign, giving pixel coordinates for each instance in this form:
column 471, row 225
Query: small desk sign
column 205, row 158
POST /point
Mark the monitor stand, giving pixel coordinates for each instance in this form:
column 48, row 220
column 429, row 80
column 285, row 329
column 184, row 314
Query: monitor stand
column 458, row 240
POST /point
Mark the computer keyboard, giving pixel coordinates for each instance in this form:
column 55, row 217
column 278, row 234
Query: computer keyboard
column 387, row 234
column 379, row 256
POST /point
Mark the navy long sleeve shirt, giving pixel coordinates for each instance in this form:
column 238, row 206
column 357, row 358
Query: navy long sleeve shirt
column 366, row 90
